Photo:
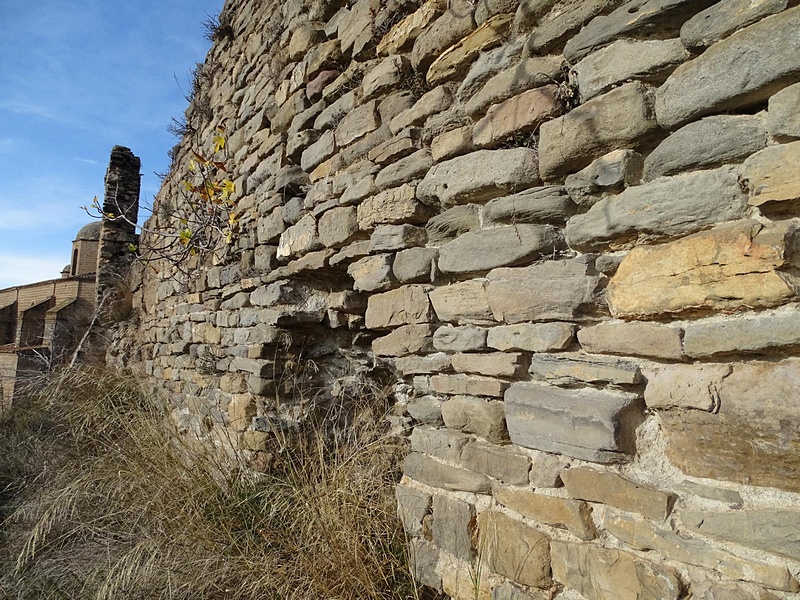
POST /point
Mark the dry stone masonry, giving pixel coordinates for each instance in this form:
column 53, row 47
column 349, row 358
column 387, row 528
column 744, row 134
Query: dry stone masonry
column 567, row 231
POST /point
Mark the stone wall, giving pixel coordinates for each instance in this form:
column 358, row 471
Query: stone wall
column 567, row 229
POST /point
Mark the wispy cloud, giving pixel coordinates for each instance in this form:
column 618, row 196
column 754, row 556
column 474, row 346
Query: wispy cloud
column 87, row 161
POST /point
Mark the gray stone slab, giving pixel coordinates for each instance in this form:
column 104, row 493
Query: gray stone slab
column 437, row 474
column 531, row 337
column 724, row 18
column 783, row 116
column 498, row 462
column 610, row 173
column 753, row 333
column 575, row 368
column 453, row 222
column 549, row 204
column 452, row 524
column 460, row 339
column 415, row 264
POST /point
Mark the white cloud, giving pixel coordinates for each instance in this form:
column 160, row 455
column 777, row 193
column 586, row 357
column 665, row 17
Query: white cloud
column 17, row 269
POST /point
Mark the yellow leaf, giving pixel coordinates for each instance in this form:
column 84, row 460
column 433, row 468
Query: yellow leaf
column 219, row 142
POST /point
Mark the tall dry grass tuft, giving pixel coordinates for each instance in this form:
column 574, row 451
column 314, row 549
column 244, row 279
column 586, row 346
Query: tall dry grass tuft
column 104, row 499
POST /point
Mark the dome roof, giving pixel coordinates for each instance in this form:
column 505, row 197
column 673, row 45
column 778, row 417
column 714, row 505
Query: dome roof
column 89, row 232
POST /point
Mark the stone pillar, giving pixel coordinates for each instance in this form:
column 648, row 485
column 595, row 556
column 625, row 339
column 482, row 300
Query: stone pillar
column 121, row 204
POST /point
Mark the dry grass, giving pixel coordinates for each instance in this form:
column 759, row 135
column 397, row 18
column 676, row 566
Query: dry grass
column 105, row 500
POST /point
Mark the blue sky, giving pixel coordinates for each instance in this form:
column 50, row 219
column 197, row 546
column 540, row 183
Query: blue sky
column 76, row 78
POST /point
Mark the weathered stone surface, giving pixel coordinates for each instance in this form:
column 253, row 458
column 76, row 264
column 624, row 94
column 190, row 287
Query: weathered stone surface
column 771, row 63
column 338, row 226
column 709, row 142
column 609, row 488
column 424, row 556
column 336, row 110
column 387, row 75
column 465, row 302
column 589, row 424
column 633, row 19
column 400, row 146
column 751, row 439
column 773, row 530
column 493, row 364
column 436, row 474
column 408, row 168
column 241, row 410
column 459, row 339
column 459, row 581
column 665, row 207
column 372, row 273
column 783, row 118
column 408, row 339
column 513, row 549
column 425, row 409
column 726, row 268
column 622, row 118
column 685, row 386
column 412, row 506
column 723, row 18
column 612, row 172
column 392, row 206
column 546, row 469
column 406, row 305
column 318, row 152
column 391, row 238
column 650, row 60
column 435, row 101
column 303, row 38
column 604, row 574
column 406, row 31
column 503, row 246
column 440, row 443
column 433, row 363
column 552, row 290
column 751, row 333
column 574, row 368
column 415, row 264
column 643, row 535
column 357, row 123
column 480, row 416
column 299, row 239
column 566, row 513
column 473, row 386
column 531, row 337
column 772, row 177
column 509, row 591
column 445, row 31
column 452, row 143
column 518, row 115
column 452, row 223
column 356, row 27
column 271, row 226
column 525, row 75
column 487, row 65
column 294, row 105
column 457, row 58
column 497, row 462
column 453, row 522
column 479, row 176
column 731, row 497
column 637, row 339
column 549, row 204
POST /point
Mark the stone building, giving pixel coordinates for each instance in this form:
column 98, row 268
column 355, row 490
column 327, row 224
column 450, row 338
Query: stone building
column 42, row 323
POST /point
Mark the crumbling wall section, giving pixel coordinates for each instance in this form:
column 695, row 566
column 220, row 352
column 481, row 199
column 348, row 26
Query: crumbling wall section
column 568, row 229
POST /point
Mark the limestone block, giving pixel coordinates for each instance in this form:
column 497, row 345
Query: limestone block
column 709, row 142
column 525, row 75
column 514, row 550
column 519, row 115
column 783, row 116
column 317, row 85
column 322, row 56
column 400, row 146
column 636, row 339
column 770, row 64
column 610, row 173
column 318, row 152
column 415, row 265
column 643, row 535
column 509, row 591
column 494, row 364
column 575, row 368
column 463, row 384
column 531, row 337
column 414, row 365
column 487, row 65
column 295, row 104
column 573, row 515
column 731, row 497
column 304, row 37
column 457, row 58
column 772, row 176
column 299, row 239
column 387, row 75
column 392, row 103
column 530, row 12
column 497, row 462
column 631, row 20
column 407, row 305
column 564, row 21
column 623, row 60
column 605, row 487
column 403, row 34
column 773, row 530
column 436, row 474
column 392, row 206
column 372, row 273
column 453, row 521
column 424, row 557
column 438, row 99
column 408, row 339
column 355, row 29
column 464, row 302
column 440, row 443
column 359, row 191
column 290, row 179
column 391, row 238
column 271, row 226
column 723, row 18
column 452, row 223
column 336, row 110
column 452, row 143
column 500, row 247
column 297, row 143
column 459, row 339
column 668, row 206
column 685, row 386
column 552, row 290
column 412, row 506
column 479, row 176
column 549, row 204
column 357, row 123
column 603, row 574
column 425, row 409
column 589, row 424
column 480, row 416
column 338, row 226
column 622, row 118
column 749, row 333
column 241, row 410
column 442, row 33
column 727, row 268
column 751, row 438
column 414, row 166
